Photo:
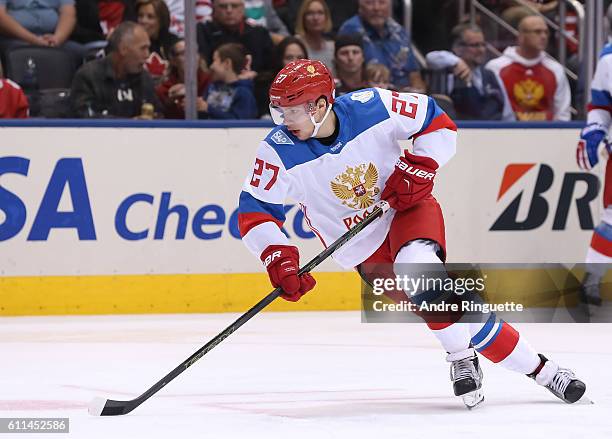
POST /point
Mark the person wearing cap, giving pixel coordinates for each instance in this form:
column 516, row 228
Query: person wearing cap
column 350, row 64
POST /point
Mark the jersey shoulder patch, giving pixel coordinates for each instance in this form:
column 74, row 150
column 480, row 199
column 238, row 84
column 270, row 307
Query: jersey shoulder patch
column 362, row 96
column 289, row 149
column 280, row 138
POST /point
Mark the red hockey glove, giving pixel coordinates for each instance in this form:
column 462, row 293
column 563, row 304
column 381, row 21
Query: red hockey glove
column 411, row 181
column 282, row 263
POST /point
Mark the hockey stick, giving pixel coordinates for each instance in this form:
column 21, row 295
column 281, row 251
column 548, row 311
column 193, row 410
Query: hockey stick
column 109, row 407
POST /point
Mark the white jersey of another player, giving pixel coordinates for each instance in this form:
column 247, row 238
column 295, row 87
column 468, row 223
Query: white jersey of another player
column 600, row 107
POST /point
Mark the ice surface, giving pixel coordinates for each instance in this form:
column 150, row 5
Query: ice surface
column 297, row 375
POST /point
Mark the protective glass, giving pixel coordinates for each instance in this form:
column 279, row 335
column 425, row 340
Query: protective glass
column 297, row 114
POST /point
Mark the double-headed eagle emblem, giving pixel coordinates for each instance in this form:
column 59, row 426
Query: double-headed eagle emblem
column 356, row 187
column 528, row 93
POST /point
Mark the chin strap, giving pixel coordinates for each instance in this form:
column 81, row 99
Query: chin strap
column 317, row 126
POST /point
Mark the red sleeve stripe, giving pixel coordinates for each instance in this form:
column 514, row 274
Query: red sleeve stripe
column 246, row 221
column 599, row 107
column 440, row 122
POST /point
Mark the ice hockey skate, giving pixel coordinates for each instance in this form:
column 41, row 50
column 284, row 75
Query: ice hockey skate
column 589, row 292
column 466, row 375
column 562, row 383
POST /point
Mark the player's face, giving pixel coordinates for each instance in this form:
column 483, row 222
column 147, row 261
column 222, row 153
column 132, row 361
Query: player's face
column 296, row 119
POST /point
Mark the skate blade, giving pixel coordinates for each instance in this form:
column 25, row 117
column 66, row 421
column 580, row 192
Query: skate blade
column 585, row 400
column 473, row 399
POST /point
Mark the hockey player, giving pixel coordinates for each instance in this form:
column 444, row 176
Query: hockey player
column 337, row 158
column 592, row 146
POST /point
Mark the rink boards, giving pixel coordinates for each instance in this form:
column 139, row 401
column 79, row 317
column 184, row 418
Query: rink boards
column 130, row 220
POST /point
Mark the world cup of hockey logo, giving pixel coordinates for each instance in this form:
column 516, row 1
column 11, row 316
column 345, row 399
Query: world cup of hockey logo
column 356, row 187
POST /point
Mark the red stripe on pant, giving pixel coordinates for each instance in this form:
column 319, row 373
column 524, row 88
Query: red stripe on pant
column 601, row 245
column 503, row 345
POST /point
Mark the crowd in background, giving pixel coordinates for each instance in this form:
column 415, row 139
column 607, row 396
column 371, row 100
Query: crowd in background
column 125, row 58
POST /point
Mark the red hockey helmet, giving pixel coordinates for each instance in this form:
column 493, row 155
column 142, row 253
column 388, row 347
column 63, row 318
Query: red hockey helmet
column 300, row 82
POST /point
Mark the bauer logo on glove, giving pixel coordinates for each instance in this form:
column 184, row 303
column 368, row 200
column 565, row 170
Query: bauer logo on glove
column 411, row 181
column 414, row 170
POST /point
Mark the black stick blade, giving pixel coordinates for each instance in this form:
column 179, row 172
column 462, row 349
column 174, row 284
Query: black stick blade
column 109, row 407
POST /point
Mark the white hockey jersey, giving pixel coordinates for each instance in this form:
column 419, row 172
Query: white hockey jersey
column 600, row 107
column 336, row 186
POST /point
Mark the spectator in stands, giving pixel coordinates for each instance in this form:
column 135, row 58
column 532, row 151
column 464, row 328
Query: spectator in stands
column 341, row 10
column 515, row 11
column 386, row 42
column 312, row 25
column 262, row 13
column 350, row 64
column 154, row 16
column 378, row 75
column 13, row 102
column 38, row 23
column 535, row 86
column 96, row 19
column 229, row 26
column 171, row 92
column 203, row 13
column 228, row 97
column 474, row 90
column 117, row 85
column 290, row 49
